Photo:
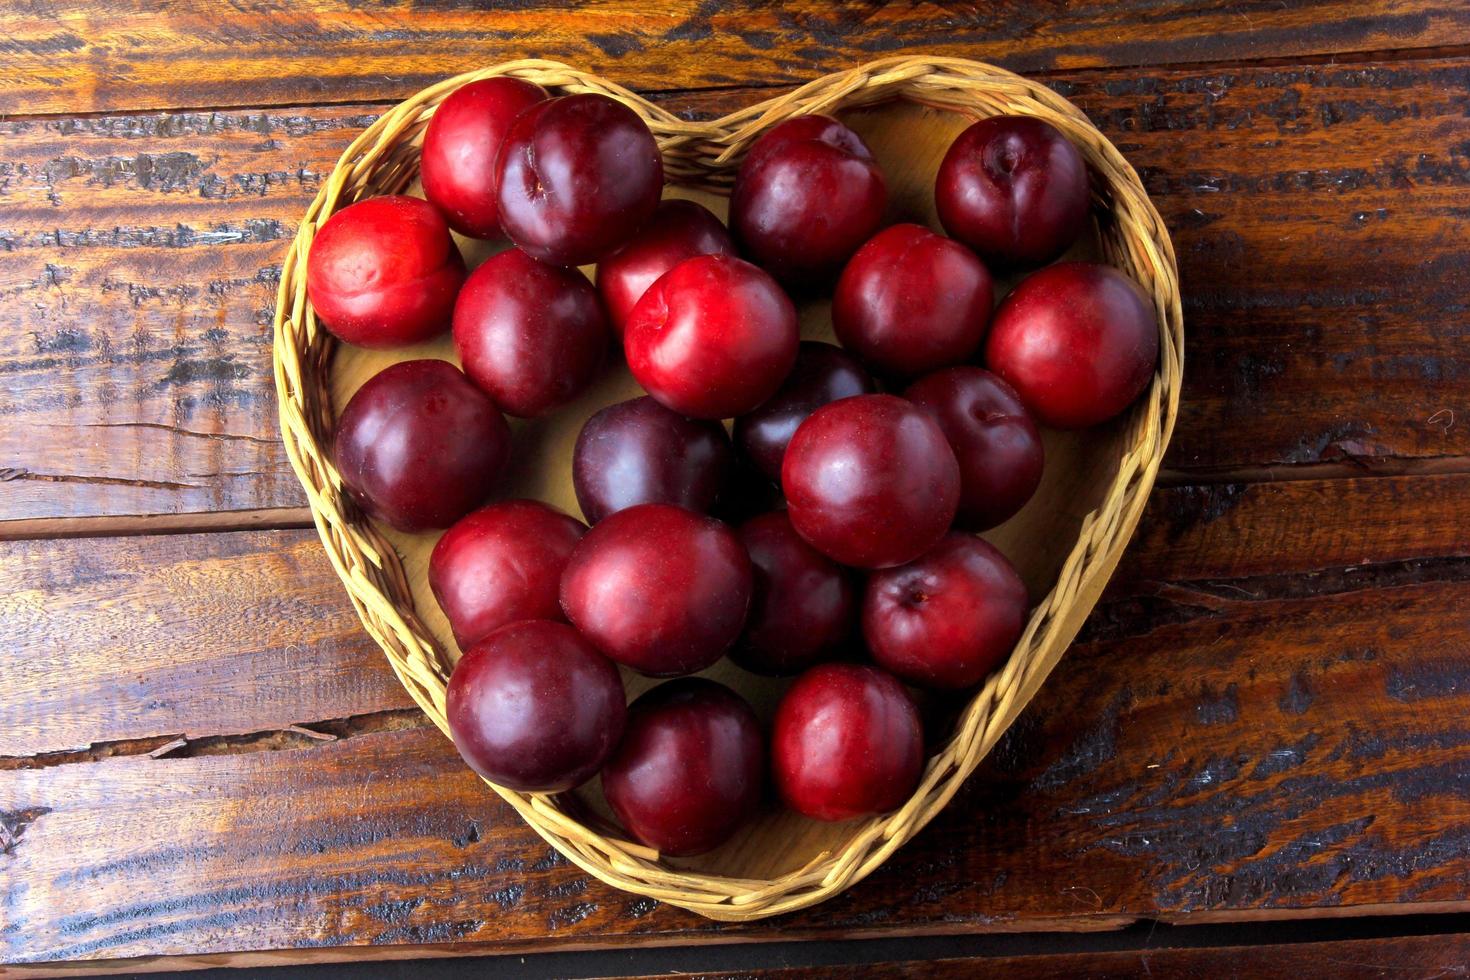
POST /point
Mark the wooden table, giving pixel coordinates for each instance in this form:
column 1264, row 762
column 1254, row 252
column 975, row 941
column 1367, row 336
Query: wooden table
column 1267, row 719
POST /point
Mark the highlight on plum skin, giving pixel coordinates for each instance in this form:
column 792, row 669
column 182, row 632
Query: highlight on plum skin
column 822, row 374
column 808, row 193
column 638, row 452
column 871, row 481
column 867, row 552
column 949, row 617
column 533, row 336
column 993, row 436
column 846, row 742
column 677, row 231
column 713, row 338
column 577, row 176
column 462, row 145
column 1015, row 190
column 384, row 273
column 803, row 607
column 534, row 707
column 659, row 589
column 501, row 564
column 1078, row 341
column 419, row 446
column 690, row 769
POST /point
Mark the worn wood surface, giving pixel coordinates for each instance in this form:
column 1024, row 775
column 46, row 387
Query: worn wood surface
column 202, row 756
column 1405, row 958
column 196, row 636
column 1316, row 212
column 1258, row 720
column 206, row 634
column 87, row 55
column 138, row 267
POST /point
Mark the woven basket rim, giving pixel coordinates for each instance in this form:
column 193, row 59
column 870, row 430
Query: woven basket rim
column 382, row 159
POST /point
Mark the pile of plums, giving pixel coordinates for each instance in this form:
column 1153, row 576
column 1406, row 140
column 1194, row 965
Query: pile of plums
column 890, row 451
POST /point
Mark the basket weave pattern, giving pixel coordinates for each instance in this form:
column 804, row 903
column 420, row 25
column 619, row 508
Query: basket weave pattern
column 384, row 160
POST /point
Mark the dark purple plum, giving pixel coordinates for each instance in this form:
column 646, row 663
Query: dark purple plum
column 419, row 446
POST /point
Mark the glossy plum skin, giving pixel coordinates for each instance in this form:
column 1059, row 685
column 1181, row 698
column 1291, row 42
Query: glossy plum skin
column 461, row 146
column 532, row 335
column 419, row 446
column 659, row 589
column 807, row 195
column 638, row 452
column 677, row 231
column 502, row 564
column 846, row 742
column 690, row 769
column 384, row 272
column 871, row 481
column 993, row 437
column 803, row 607
column 713, row 338
column 577, row 176
column 911, row 301
column 948, row 618
column 1015, row 190
column 822, row 374
column 1078, row 341
column 533, row 707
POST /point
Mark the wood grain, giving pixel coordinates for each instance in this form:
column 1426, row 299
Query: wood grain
column 200, row 755
column 1211, row 795
column 1230, row 739
column 91, row 56
column 138, row 268
column 182, row 636
column 1246, row 530
column 1158, row 954
column 1316, row 212
column 1407, row 957
column 239, row 633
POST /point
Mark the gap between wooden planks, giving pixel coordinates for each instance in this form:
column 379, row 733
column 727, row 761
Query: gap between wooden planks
column 281, row 518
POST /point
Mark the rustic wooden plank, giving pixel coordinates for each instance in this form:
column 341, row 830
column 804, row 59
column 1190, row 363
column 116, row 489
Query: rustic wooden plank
column 1408, row 957
column 1328, row 292
column 1229, row 739
column 1413, row 957
column 186, row 635
column 208, row 635
column 138, row 268
column 1317, row 212
column 1234, row 531
column 91, row 56
column 1179, row 787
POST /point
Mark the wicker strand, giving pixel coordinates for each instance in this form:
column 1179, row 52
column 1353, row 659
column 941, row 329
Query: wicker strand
column 383, row 159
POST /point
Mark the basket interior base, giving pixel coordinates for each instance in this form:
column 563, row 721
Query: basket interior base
column 909, row 142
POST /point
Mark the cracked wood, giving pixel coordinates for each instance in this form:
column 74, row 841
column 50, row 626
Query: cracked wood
column 185, row 635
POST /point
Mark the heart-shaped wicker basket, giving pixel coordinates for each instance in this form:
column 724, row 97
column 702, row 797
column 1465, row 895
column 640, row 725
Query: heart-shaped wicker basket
column 1066, row 542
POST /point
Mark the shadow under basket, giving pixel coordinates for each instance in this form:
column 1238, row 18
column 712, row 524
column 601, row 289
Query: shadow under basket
column 1066, row 542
